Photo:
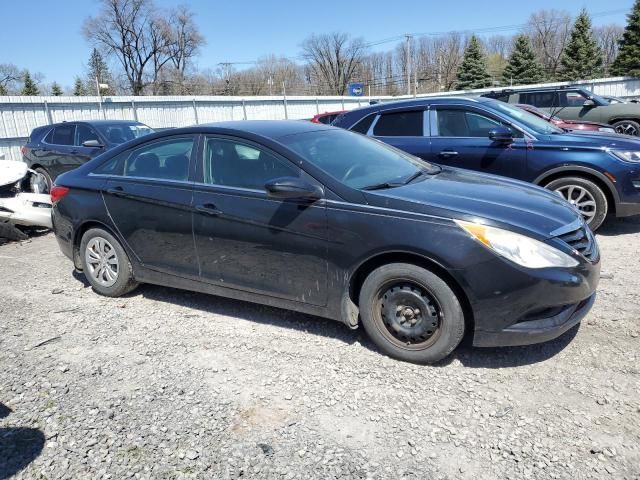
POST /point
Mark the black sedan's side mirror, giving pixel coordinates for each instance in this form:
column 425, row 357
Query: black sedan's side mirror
column 92, row 144
column 501, row 135
column 292, row 187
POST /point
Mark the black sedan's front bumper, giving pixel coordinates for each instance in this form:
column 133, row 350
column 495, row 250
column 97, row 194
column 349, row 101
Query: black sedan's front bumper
column 536, row 331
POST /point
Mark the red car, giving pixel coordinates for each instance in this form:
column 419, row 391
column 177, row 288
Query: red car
column 326, row 117
column 568, row 124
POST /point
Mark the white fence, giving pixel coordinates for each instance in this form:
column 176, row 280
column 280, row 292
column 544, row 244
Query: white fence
column 19, row 115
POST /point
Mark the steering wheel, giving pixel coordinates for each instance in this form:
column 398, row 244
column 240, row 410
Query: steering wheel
column 351, row 170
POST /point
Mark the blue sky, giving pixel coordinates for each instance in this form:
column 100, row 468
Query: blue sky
column 45, row 38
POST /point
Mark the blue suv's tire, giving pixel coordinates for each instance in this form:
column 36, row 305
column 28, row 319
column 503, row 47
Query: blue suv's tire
column 585, row 195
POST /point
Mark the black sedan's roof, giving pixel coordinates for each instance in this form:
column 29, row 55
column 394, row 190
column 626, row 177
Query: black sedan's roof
column 267, row 128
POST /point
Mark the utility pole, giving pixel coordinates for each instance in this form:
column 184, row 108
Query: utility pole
column 408, row 37
column 270, row 83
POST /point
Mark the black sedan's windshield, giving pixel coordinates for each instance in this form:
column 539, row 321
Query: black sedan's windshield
column 358, row 161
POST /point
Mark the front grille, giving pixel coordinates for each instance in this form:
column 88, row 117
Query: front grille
column 582, row 240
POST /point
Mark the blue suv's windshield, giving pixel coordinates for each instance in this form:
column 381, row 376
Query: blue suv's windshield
column 526, row 119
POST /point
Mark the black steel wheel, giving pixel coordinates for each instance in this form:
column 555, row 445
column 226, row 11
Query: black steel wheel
column 411, row 313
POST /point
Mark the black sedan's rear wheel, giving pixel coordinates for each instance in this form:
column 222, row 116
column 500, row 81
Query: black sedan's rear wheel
column 105, row 263
column 411, row 313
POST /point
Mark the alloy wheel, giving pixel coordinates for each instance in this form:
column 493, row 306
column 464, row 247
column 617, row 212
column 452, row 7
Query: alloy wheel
column 102, row 261
column 627, row 129
column 580, row 198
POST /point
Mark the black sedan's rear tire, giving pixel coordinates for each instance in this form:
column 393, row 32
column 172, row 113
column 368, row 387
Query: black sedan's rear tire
column 627, row 127
column 585, row 195
column 105, row 264
column 411, row 313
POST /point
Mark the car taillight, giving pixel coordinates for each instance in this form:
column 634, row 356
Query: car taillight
column 24, row 149
column 57, row 193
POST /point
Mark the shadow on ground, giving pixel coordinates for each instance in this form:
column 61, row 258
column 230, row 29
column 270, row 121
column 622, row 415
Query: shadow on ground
column 466, row 354
column 620, row 226
column 19, row 446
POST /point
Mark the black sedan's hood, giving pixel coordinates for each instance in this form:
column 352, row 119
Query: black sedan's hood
column 468, row 195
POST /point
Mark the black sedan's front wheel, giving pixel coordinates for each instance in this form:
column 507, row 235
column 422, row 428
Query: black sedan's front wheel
column 411, row 313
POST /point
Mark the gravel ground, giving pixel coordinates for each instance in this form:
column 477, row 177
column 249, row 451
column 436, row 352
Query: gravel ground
column 169, row 384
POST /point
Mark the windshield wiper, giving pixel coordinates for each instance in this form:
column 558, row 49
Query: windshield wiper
column 383, row 186
column 409, row 179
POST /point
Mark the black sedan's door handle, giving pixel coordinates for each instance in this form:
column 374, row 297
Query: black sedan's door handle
column 448, row 154
column 117, row 191
column 208, row 209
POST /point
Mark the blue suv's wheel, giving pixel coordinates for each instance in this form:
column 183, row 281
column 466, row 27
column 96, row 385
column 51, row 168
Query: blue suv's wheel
column 585, row 195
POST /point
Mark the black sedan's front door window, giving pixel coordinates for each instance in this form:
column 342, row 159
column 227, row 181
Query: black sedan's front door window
column 249, row 241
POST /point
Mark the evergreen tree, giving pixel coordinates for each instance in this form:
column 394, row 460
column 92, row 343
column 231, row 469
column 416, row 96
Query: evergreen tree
column 3, row 90
column 627, row 63
column 78, row 88
column 98, row 68
column 582, row 57
column 56, row 91
column 472, row 72
column 30, row 87
column 522, row 67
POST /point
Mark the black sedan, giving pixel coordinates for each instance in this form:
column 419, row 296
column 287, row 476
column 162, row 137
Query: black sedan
column 320, row 220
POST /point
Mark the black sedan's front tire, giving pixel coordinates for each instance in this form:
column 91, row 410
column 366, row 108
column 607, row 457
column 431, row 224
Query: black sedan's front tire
column 411, row 313
column 105, row 264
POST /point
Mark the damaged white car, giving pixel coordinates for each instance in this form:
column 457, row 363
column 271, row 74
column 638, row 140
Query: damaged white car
column 22, row 206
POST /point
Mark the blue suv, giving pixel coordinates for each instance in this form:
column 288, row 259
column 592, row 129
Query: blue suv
column 598, row 173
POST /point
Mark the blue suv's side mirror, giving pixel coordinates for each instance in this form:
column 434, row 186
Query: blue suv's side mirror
column 501, row 134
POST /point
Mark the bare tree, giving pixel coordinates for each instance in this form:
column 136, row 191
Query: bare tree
column 607, row 37
column 332, row 60
column 549, row 31
column 132, row 32
column 186, row 41
column 10, row 75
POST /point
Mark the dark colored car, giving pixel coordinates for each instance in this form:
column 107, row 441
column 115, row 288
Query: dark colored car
column 574, row 103
column 574, row 125
column 319, row 220
column 599, row 173
column 327, row 117
column 55, row 149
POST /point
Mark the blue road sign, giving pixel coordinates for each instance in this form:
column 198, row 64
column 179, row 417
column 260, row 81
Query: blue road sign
column 356, row 89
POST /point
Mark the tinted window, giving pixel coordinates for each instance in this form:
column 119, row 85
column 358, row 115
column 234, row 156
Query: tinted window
column 123, row 132
column 400, row 124
column 113, row 166
column 61, row 135
column 464, row 123
column 84, row 133
column 327, row 119
column 363, row 125
column 540, row 99
column 236, row 164
column 572, row 99
column 168, row 159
